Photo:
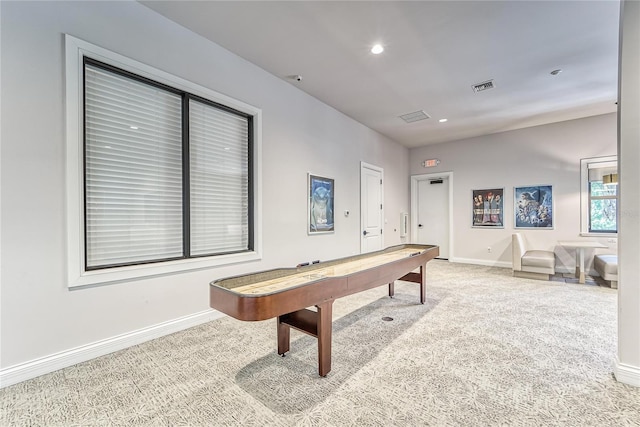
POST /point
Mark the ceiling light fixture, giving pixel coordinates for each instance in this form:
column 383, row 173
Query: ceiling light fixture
column 556, row 72
column 443, row 120
column 377, row 49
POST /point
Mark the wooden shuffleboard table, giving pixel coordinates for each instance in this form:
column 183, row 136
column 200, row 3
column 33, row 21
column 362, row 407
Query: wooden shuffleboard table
column 288, row 293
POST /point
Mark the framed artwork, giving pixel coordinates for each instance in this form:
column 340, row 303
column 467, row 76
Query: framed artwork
column 320, row 217
column 488, row 208
column 533, row 207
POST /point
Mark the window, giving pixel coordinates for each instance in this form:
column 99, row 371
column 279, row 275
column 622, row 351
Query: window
column 599, row 195
column 219, row 180
column 162, row 171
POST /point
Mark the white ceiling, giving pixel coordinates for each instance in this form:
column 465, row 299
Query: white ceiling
column 434, row 52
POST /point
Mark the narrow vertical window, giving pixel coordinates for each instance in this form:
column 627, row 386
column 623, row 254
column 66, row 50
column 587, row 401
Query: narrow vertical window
column 219, row 179
column 599, row 195
column 603, row 196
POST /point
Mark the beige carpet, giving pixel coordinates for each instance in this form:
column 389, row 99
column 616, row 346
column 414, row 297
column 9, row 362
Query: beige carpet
column 487, row 349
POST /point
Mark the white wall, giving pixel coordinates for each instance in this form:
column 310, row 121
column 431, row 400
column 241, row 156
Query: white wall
column 39, row 315
column 540, row 155
column 628, row 365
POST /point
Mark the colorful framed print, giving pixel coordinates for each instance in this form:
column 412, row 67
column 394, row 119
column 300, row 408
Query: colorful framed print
column 533, row 207
column 488, row 208
column 320, row 217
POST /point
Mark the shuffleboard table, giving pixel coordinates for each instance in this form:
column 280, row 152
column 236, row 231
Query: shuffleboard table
column 288, row 293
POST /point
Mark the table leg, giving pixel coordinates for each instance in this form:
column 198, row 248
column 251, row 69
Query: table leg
column 324, row 337
column 423, row 284
column 391, row 289
column 581, row 276
column 284, row 337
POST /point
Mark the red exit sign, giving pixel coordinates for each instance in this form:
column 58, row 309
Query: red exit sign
column 430, row 163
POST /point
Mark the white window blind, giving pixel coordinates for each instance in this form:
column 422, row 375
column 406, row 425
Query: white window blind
column 133, row 170
column 219, row 180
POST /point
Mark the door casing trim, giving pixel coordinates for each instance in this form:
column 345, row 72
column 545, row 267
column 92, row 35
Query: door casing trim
column 364, row 165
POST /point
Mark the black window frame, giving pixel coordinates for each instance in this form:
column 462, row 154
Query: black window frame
column 186, row 202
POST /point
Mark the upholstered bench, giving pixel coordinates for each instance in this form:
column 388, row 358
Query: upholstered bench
column 607, row 267
column 531, row 263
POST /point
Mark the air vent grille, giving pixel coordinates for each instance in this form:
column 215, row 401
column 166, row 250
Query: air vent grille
column 415, row 116
column 479, row 87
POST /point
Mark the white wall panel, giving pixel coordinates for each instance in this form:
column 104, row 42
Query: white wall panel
column 628, row 366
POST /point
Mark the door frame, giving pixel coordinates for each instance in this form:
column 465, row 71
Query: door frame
column 414, row 205
column 364, row 165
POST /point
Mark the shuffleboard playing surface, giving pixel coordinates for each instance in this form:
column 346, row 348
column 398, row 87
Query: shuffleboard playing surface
column 335, row 270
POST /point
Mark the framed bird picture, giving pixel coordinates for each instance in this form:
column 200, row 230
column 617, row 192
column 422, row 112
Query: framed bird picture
column 533, row 207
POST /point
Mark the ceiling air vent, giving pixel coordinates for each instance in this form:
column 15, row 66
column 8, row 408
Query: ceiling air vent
column 483, row 86
column 415, row 116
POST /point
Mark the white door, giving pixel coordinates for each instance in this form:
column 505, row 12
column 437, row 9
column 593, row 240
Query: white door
column 371, row 208
column 433, row 213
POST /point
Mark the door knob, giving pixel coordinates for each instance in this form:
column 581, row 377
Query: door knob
column 364, row 233
column 419, row 225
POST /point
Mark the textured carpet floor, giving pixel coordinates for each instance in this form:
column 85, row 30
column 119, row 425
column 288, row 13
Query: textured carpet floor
column 486, row 349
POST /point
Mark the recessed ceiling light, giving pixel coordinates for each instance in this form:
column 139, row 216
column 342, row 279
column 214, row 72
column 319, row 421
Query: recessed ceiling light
column 442, row 120
column 377, row 49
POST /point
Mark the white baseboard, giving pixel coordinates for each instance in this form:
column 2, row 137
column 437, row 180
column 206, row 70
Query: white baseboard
column 627, row 374
column 500, row 264
column 34, row 368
